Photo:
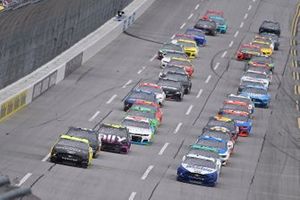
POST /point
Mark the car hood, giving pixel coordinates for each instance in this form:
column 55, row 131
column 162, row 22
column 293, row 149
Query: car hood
column 198, row 169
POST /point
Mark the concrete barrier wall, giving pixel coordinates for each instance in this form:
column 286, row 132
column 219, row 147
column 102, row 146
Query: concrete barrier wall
column 35, row 84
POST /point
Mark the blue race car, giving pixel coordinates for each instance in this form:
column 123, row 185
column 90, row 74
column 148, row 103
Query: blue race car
column 260, row 97
column 219, row 144
column 198, row 35
column 221, row 23
column 198, row 170
column 139, row 95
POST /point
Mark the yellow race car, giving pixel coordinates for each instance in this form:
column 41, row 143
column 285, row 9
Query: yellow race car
column 190, row 47
column 72, row 150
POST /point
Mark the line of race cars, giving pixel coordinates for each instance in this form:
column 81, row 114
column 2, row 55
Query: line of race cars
column 212, row 149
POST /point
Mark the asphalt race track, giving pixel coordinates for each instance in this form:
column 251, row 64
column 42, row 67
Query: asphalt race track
column 264, row 166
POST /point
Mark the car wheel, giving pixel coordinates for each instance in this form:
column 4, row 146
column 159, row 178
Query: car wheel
column 179, row 98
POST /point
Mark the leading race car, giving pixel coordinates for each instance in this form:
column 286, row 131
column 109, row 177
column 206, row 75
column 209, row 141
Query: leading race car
column 88, row 134
column 198, row 170
column 246, row 51
column 260, row 97
column 114, row 137
column 173, row 89
column 270, row 27
column 156, row 89
column 183, row 78
column 169, row 48
column 72, row 150
column 209, row 27
column 198, row 35
column 140, row 129
column 139, row 95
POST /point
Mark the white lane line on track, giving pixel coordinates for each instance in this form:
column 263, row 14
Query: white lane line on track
column 94, row 116
column 230, row 44
column 242, row 24
column 141, row 70
column 24, row 179
column 111, row 99
column 132, row 195
column 208, row 79
column 146, row 173
column 46, row 157
column 163, row 149
column 199, row 93
column 236, row 34
column 126, row 84
column 224, row 54
column 153, row 57
column 216, row 66
column 173, row 36
column 246, row 16
column 183, row 25
column 191, row 15
column 197, row 6
column 177, row 127
column 189, row 110
column 250, row 6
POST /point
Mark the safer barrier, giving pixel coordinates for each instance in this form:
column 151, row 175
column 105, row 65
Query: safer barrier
column 14, row 4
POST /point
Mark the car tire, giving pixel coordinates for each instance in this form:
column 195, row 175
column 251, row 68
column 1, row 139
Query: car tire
column 179, row 98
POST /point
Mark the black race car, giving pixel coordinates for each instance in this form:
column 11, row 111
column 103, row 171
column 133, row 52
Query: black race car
column 209, row 27
column 183, row 78
column 173, row 89
column 270, row 27
column 139, row 95
column 90, row 135
column 114, row 138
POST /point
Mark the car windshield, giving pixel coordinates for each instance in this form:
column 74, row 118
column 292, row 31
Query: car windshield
column 204, row 22
column 255, row 75
column 270, row 35
column 149, row 115
column 218, row 20
column 82, row 134
column 211, row 143
column 203, row 152
column 174, row 69
column 217, row 134
column 176, row 77
column 171, row 46
column 236, row 117
column 180, row 62
column 134, row 123
column 109, row 130
column 186, row 44
column 255, row 91
column 151, row 89
column 199, row 162
column 72, row 143
column 143, row 96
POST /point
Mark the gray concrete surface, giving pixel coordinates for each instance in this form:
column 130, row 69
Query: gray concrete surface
column 263, row 166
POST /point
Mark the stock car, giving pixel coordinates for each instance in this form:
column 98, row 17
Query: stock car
column 183, row 78
column 220, row 145
column 264, row 40
column 225, row 136
column 88, row 134
column 198, row 170
column 265, row 49
column 173, row 89
column 254, row 75
column 72, row 150
column 189, row 46
column 218, row 123
column 183, row 63
column 242, row 121
column 139, row 111
column 156, row 89
column 253, row 83
column 182, row 36
column 221, row 23
column 260, row 97
column 273, row 37
column 263, row 70
column 169, row 48
column 209, row 27
column 150, row 105
column 139, row 95
column 246, row 51
column 261, row 61
column 209, row 13
column 240, row 103
column 114, row 138
column 140, row 129
column 239, row 98
column 173, row 69
column 172, row 55
column 236, row 108
column 198, row 35
column 268, row 26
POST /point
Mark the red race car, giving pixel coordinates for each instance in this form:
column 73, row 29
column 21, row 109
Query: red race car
column 151, row 105
column 213, row 12
column 246, row 51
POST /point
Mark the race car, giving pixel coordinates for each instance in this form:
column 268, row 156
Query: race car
column 114, row 138
column 261, row 70
column 140, row 129
column 268, row 26
column 172, row 69
column 152, row 106
column 156, row 89
column 273, row 37
column 239, row 98
column 254, row 75
column 209, row 27
column 173, row 89
column 88, row 134
column 198, row 36
column 169, row 48
column 182, row 36
column 189, row 46
column 237, row 108
column 183, row 78
column 246, row 51
column 225, row 136
column 139, row 111
column 167, row 58
column 72, row 151
column 240, row 103
column 242, row 121
column 183, row 63
column 261, row 61
column 253, row 83
column 260, row 97
column 139, row 95
column 198, row 170
column 265, row 49
column 264, row 40
column 221, row 23
column 220, row 145
column 209, row 13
